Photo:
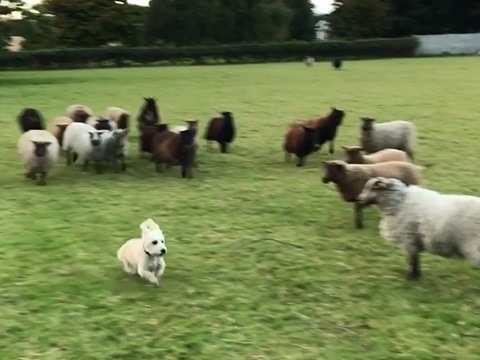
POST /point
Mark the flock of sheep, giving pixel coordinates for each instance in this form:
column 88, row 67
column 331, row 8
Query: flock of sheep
column 86, row 138
column 414, row 218
column 380, row 171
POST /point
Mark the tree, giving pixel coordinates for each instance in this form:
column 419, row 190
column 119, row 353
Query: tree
column 302, row 24
column 8, row 7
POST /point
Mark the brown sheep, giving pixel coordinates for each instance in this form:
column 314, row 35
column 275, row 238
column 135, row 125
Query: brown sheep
column 326, row 128
column 222, row 130
column 353, row 155
column 171, row 148
column 79, row 113
column 119, row 115
column 300, row 141
column 145, row 140
column 351, row 178
column 57, row 127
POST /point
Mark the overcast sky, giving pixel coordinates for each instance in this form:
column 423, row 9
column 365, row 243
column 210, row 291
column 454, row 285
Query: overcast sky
column 321, row 6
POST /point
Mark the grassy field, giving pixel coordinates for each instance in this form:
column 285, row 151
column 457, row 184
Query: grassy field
column 226, row 294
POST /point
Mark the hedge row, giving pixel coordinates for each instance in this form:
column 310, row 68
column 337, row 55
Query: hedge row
column 245, row 53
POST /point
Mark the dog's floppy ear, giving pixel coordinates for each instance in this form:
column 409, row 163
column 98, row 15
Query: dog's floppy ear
column 148, row 224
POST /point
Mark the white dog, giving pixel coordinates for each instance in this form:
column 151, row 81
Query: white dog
column 145, row 256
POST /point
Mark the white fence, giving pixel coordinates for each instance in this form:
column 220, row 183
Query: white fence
column 448, row 43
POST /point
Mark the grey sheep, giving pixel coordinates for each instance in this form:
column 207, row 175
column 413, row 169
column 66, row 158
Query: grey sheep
column 397, row 134
column 39, row 152
column 418, row 219
column 351, row 178
column 114, row 148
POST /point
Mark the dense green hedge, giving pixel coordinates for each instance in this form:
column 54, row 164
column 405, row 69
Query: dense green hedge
column 245, row 53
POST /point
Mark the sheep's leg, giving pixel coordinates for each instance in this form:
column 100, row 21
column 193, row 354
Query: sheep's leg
column 123, row 164
column 42, row 178
column 98, row 167
column 414, row 271
column 331, row 147
column 223, row 147
column 68, row 157
column 301, row 161
column 358, row 215
column 147, row 275
column 30, row 175
column 85, row 164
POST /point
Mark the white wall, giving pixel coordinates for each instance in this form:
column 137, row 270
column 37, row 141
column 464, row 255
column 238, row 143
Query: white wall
column 449, row 43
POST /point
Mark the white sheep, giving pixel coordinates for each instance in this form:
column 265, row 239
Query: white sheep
column 39, row 152
column 145, row 255
column 85, row 142
column 308, row 60
column 115, row 147
column 397, row 134
column 119, row 115
column 418, row 219
column 79, row 113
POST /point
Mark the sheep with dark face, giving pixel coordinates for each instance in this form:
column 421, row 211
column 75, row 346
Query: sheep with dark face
column 39, row 151
column 350, row 179
column 222, row 130
column 114, row 148
column 79, row 113
column 397, row 134
column 149, row 113
column 100, row 123
column 171, row 148
column 337, row 63
column 299, row 141
column 120, row 116
column 30, row 119
column 327, row 127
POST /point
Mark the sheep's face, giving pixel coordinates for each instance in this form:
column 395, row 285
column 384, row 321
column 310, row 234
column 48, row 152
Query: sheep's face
column 95, row 138
column 374, row 190
column 367, row 123
column 353, row 154
column 41, row 148
column 227, row 115
column 337, row 116
column 153, row 238
column 150, row 109
column 192, row 125
column 80, row 116
column 103, row 124
column 335, row 171
column 187, row 145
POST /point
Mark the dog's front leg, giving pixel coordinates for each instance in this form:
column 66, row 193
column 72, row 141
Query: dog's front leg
column 160, row 270
column 148, row 275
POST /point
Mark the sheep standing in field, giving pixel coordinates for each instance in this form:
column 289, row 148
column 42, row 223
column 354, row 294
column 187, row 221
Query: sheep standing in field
column 337, row 63
column 397, row 134
column 354, row 155
column 418, row 219
column 145, row 256
column 308, row 60
column 222, row 130
column 114, row 148
column 327, row 128
column 300, row 141
column 101, row 123
column 120, row 116
column 149, row 113
column 191, row 125
column 39, row 151
column 30, row 119
column 79, row 113
column 82, row 144
column 172, row 148
column 57, row 127
column 351, row 178
column 147, row 133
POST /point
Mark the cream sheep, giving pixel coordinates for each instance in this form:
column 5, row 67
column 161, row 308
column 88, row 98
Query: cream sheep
column 39, row 151
column 396, row 134
column 119, row 115
column 351, row 178
column 353, row 155
column 82, row 143
column 57, row 127
column 79, row 113
column 418, row 219
column 145, row 255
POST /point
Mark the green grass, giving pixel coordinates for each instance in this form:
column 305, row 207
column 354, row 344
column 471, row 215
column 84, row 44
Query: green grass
column 226, row 295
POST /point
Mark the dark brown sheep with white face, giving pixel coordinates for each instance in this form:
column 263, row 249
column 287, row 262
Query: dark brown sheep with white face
column 300, row 141
column 171, row 148
column 147, row 133
column 222, row 130
column 30, row 119
column 327, row 127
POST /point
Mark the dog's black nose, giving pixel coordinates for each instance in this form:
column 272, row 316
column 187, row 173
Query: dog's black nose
column 163, row 251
